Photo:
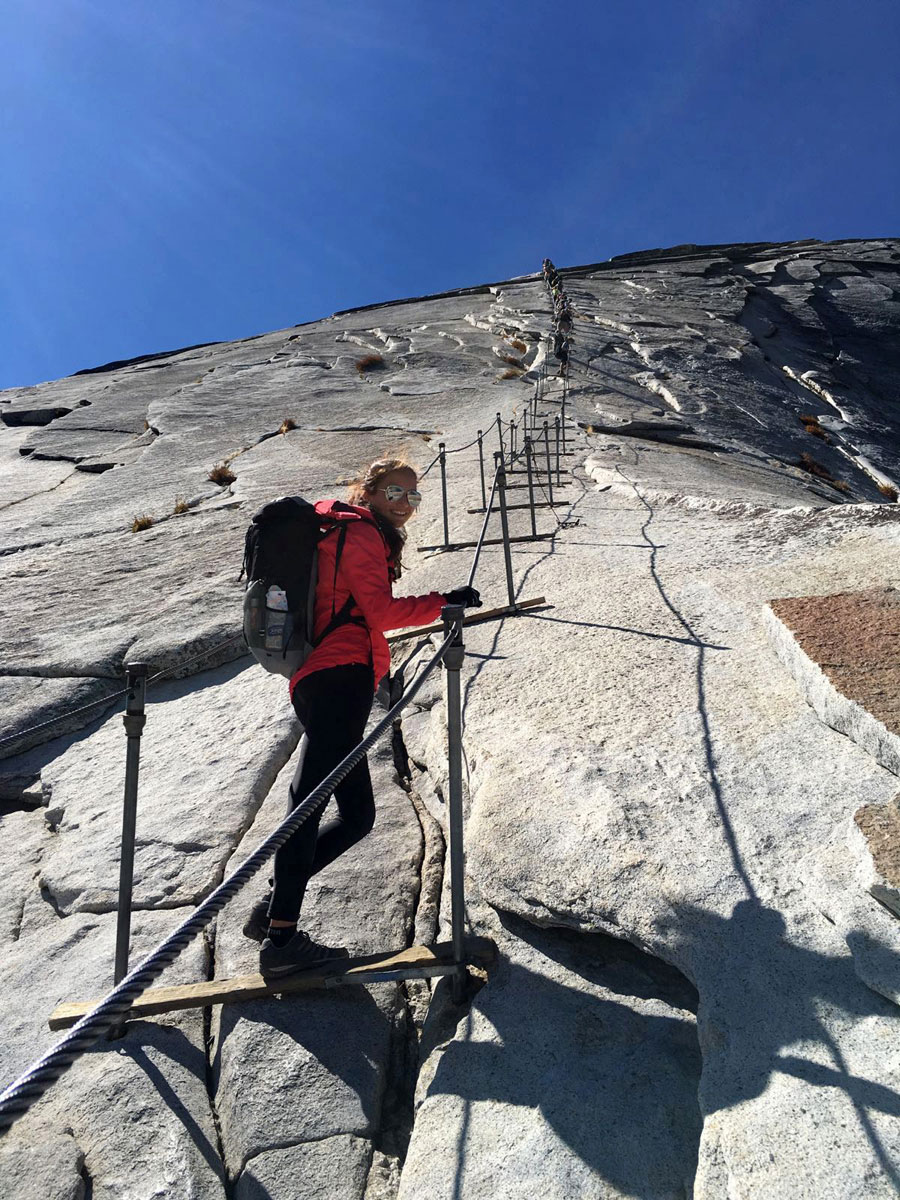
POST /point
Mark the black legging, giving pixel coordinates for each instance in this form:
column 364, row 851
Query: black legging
column 333, row 706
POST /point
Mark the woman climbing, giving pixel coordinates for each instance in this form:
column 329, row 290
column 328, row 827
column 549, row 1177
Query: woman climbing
column 332, row 695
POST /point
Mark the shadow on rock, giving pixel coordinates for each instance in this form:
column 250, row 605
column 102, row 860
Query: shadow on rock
column 616, row 1083
column 770, row 1007
column 319, row 1069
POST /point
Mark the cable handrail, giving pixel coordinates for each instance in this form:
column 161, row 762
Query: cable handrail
column 69, row 712
column 106, row 701
column 484, row 524
column 114, row 697
column 19, row 1096
column 457, row 449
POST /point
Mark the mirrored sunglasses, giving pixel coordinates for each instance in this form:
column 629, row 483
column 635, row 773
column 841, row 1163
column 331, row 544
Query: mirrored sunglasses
column 395, row 492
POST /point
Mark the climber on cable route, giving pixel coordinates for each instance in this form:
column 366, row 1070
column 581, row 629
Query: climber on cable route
column 333, row 690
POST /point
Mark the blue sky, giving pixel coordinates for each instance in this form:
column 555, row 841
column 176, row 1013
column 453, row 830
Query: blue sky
column 184, row 172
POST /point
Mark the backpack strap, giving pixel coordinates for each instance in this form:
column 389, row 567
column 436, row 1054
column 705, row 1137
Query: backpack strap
column 342, row 616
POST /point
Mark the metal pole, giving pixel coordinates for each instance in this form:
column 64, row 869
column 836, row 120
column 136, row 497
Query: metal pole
column 549, row 468
column 558, row 475
column 512, row 443
column 443, row 457
column 504, row 525
column 134, row 720
column 500, row 435
column 528, row 453
column 563, row 413
column 481, row 467
column 452, row 616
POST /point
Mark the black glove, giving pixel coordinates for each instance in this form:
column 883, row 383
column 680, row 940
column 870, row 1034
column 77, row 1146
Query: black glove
column 466, row 596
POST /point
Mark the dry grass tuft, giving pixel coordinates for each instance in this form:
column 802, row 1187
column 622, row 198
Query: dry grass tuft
column 181, row 506
column 511, row 359
column 140, row 523
column 810, row 423
column 518, row 344
column 221, row 474
column 887, row 490
column 287, row 425
column 369, row 362
column 512, row 373
column 807, row 463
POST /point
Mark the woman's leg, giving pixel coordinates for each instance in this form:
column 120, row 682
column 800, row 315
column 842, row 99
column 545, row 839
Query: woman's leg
column 334, row 706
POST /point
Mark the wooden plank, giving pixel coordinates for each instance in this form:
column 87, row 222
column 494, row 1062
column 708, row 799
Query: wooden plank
column 529, row 537
column 537, row 504
column 538, row 487
column 489, row 614
column 366, row 969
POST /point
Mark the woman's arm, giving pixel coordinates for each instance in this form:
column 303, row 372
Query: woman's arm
column 366, row 574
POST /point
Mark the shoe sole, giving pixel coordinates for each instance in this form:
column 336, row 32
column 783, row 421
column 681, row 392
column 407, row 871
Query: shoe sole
column 293, row 969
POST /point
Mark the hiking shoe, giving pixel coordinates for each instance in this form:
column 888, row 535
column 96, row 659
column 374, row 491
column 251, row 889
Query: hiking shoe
column 256, row 927
column 298, row 954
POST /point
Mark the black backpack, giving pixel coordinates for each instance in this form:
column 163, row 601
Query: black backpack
column 281, row 565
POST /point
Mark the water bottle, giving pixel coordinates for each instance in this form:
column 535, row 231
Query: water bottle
column 276, row 618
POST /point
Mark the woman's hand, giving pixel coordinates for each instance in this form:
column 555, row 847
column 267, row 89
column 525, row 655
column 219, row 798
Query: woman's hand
column 466, row 596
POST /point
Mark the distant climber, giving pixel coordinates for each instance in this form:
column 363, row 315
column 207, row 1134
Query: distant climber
column 561, row 347
column 332, row 695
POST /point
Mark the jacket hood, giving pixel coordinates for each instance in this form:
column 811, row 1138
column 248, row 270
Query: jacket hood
column 341, row 511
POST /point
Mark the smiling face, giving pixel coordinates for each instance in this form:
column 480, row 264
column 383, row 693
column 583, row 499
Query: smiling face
column 399, row 511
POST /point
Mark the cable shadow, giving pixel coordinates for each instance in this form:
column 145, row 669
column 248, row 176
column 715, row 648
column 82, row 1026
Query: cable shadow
column 665, row 637
column 700, row 683
column 520, row 586
column 601, row 1111
column 326, row 1043
column 174, row 1044
column 765, row 993
column 545, row 1044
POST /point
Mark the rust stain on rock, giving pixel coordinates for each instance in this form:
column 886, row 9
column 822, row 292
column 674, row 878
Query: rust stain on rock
column 880, row 826
column 854, row 637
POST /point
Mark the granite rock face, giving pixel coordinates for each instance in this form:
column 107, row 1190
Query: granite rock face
column 698, row 980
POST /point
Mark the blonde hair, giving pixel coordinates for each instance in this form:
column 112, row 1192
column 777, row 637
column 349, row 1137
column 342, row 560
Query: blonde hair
column 362, row 487
column 368, row 479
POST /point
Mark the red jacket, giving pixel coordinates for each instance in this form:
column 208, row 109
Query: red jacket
column 363, row 573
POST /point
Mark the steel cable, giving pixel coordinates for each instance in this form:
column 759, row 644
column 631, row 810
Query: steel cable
column 106, row 701
column 196, row 658
column 31, row 1085
column 70, row 712
column 437, row 458
column 114, row 696
column 457, row 449
column 19, row 1096
column 490, row 504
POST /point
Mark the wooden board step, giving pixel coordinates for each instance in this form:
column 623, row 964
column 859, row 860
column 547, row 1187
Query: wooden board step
column 474, row 618
column 418, row 962
column 530, row 537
